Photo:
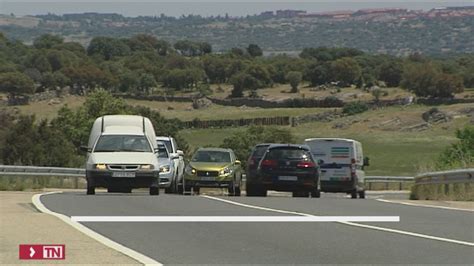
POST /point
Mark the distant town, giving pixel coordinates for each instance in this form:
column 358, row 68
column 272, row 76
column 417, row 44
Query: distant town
column 374, row 13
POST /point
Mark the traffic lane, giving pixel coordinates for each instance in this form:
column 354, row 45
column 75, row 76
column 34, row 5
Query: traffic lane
column 140, row 204
column 453, row 224
column 278, row 243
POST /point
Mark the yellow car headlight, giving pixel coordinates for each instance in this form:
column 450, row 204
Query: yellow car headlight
column 225, row 171
column 101, row 166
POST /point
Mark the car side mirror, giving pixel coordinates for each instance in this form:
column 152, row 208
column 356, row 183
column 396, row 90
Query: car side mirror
column 237, row 162
column 320, row 162
column 85, row 148
column 174, row 156
column 366, row 161
column 180, row 153
column 156, row 150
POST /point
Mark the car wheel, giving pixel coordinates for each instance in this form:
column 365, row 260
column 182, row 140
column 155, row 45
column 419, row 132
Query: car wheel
column 169, row 190
column 154, row 191
column 231, row 189
column 180, row 189
column 316, row 193
column 187, row 190
column 196, row 190
column 354, row 194
column 362, row 194
column 300, row 194
column 90, row 191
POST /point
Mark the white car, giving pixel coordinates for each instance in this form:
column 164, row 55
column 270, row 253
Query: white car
column 122, row 154
column 178, row 163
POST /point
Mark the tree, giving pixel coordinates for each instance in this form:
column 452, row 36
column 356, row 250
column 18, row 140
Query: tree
column 107, row 48
column 147, row 82
column 16, row 83
column 254, row 50
column 318, row 73
column 459, row 154
column 242, row 142
column 47, row 41
column 241, row 82
column 345, row 70
column 54, row 80
column 391, row 73
column 294, row 78
column 425, row 80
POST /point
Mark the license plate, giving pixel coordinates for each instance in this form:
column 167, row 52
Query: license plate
column 123, row 174
column 208, row 178
column 288, row 178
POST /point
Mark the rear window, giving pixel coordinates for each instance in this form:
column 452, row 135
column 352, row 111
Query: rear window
column 288, row 154
column 259, row 151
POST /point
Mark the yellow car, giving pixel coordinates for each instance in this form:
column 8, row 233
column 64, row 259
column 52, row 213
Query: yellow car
column 213, row 167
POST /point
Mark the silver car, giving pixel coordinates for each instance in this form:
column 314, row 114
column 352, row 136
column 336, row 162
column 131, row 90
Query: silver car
column 167, row 170
column 178, row 158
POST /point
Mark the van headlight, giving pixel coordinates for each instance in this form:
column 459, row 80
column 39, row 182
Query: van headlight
column 165, row 168
column 225, row 171
column 147, row 167
column 100, row 166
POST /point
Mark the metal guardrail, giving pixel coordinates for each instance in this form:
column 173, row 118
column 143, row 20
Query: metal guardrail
column 41, row 171
column 387, row 180
column 446, row 177
column 443, row 177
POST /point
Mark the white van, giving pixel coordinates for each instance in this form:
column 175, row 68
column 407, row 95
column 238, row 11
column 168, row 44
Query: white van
column 342, row 164
column 122, row 154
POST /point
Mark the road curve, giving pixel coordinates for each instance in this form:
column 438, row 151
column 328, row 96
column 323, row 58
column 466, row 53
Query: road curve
column 275, row 243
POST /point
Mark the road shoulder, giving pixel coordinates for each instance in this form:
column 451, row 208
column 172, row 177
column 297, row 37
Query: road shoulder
column 22, row 223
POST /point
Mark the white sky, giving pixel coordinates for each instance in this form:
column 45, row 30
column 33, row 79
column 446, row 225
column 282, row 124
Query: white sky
column 204, row 8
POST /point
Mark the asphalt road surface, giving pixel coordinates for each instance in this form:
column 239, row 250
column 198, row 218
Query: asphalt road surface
column 423, row 235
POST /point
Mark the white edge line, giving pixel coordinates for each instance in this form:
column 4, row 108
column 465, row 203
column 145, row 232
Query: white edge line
column 292, row 218
column 424, row 205
column 465, row 243
column 100, row 238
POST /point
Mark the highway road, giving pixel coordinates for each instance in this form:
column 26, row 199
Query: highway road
column 423, row 235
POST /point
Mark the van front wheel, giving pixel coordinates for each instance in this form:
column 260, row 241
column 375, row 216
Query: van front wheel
column 362, row 194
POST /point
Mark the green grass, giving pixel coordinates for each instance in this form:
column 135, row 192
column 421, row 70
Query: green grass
column 20, row 183
column 391, row 151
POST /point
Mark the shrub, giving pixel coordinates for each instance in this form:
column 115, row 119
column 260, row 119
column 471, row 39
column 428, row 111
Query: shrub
column 355, row 108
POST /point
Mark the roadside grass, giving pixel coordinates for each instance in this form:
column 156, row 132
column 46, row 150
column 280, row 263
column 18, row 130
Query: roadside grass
column 20, row 183
column 458, row 191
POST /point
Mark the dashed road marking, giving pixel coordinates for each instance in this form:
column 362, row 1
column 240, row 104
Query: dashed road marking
column 377, row 228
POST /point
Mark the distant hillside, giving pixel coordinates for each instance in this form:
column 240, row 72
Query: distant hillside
column 396, row 31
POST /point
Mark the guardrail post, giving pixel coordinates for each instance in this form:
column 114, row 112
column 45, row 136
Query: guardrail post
column 386, row 185
column 76, row 182
column 400, row 188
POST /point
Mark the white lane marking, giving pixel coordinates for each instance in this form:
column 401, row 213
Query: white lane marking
column 102, row 239
column 465, row 243
column 424, row 205
column 235, row 218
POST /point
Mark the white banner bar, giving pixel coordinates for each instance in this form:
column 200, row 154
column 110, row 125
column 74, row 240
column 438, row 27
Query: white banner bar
column 247, row 219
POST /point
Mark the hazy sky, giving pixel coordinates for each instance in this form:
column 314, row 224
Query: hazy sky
column 204, row 8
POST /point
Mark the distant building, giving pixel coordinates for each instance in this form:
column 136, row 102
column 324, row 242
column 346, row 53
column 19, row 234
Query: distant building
column 289, row 13
column 332, row 14
column 267, row 14
column 371, row 11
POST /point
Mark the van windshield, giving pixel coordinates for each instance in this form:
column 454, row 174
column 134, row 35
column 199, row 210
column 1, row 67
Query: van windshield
column 122, row 143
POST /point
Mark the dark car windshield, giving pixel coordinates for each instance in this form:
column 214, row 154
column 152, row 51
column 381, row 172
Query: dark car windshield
column 288, row 154
column 122, row 143
column 212, row 157
column 162, row 152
